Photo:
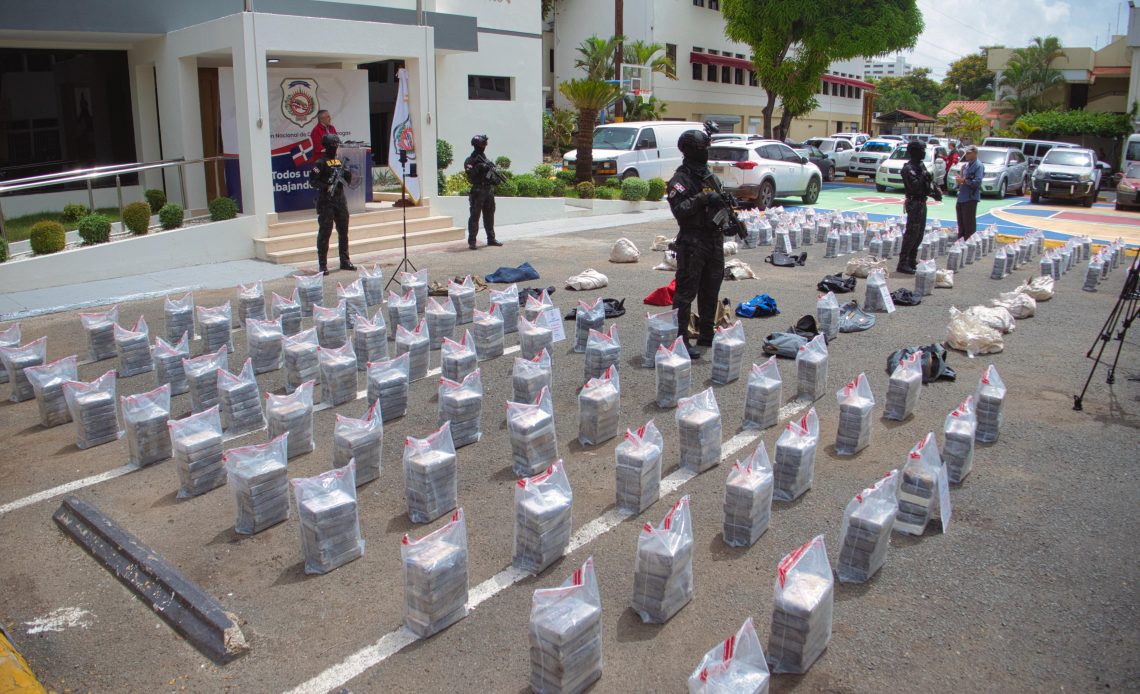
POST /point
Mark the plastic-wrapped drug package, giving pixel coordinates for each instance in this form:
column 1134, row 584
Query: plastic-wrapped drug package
column 288, row 311
column 904, row 388
column 918, row 489
column 590, row 315
column 737, row 665
column 507, row 301
column 866, row 531
column 988, row 401
column 603, row 350
column 638, row 462
column 10, row 337
column 416, row 284
column 360, row 441
column 251, row 302
column 17, row 358
column 674, row 373
column 292, row 414
column 728, row 347
column 338, row 375
column 299, row 358
column 461, row 404
column 47, row 383
column 435, row 577
column 954, row 256
column 462, row 295
column 489, row 332
column 257, row 476
column 441, row 319
column 240, row 400
column 699, row 431
column 370, row 340
column 178, row 317
column 876, row 286
column 401, row 312
column 660, row 330
column 924, row 276
column 566, row 634
column 533, row 339
column 764, row 395
column 264, row 341
column 998, row 271
column 330, row 325
column 133, row 348
column 875, row 247
column 831, row 249
column 196, row 444
column 354, row 304
column 811, row 369
column 388, row 385
column 958, row 440
column 856, row 405
column 329, row 519
column 529, row 376
column 92, row 408
column 372, row 280
column 431, row 479
column 1092, row 275
column 543, row 519
column 214, row 323
column 599, row 407
column 147, row 416
column 311, row 291
column 794, row 467
column 844, row 241
column 748, row 499
column 457, row 359
column 827, row 314
column 100, row 329
column 537, row 305
column 663, row 568
column 416, row 344
column 801, row 610
column 534, row 440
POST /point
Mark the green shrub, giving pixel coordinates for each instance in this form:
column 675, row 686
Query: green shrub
column 3, row 250
column 613, row 182
column 155, row 198
column 507, row 173
column 47, row 237
column 440, row 182
column 558, row 189
column 457, row 184
column 545, row 187
column 656, row 189
column 585, row 190
column 527, row 185
column 222, row 208
column 633, row 189
column 136, row 217
column 170, row 216
column 565, row 175
column 503, row 162
column 73, row 212
column 606, row 193
column 544, row 170
column 95, row 228
column 444, row 154
column 507, row 189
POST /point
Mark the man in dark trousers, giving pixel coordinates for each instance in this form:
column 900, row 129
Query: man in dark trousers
column 969, row 181
column 483, row 176
column 918, row 184
column 695, row 199
column 328, row 177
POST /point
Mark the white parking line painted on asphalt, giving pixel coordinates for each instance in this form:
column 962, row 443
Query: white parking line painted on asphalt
column 65, row 488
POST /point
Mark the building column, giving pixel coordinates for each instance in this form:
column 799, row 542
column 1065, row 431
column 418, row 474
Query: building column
column 145, row 113
column 251, row 102
column 421, row 103
column 181, row 127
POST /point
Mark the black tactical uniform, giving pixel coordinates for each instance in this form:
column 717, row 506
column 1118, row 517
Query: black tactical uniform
column 482, row 175
column 917, row 184
column 329, row 178
column 694, row 199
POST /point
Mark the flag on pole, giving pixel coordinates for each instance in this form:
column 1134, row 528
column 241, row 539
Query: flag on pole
column 402, row 138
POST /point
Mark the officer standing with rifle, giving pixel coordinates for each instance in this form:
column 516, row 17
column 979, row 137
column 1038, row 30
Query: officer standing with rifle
column 329, row 177
column 483, row 176
column 918, row 184
column 705, row 216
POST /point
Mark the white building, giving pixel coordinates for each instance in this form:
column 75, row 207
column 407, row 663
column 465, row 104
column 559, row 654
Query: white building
column 873, row 69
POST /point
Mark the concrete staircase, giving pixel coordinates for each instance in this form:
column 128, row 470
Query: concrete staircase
column 293, row 238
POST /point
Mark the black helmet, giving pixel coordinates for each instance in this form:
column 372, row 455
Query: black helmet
column 915, row 150
column 694, row 144
column 330, row 140
column 479, row 141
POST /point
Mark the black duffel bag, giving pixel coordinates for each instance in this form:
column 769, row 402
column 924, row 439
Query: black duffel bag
column 837, row 284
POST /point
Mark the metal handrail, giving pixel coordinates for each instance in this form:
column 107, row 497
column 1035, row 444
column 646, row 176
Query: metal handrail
column 110, row 168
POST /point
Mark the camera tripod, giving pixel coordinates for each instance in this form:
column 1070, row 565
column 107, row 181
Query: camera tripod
column 404, row 264
column 1125, row 311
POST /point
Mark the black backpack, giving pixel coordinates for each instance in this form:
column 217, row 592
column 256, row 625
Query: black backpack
column 782, row 259
column 837, row 284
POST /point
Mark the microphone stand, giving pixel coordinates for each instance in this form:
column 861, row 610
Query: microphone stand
column 403, row 204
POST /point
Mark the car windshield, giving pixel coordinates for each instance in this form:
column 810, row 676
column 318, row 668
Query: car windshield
column 802, row 151
column 991, row 157
column 1133, row 171
column 824, row 145
column 728, row 154
column 1061, row 157
column 885, row 147
column 614, row 138
column 899, row 153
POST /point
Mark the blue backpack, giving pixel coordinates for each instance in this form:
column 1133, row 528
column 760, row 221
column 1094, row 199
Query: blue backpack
column 759, row 306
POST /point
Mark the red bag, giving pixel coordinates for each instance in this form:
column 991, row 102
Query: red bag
column 662, row 296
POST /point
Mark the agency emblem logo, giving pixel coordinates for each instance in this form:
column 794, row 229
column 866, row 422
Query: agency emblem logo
column 299, row 102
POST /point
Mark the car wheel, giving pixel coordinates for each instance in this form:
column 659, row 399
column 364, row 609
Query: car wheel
column 881, row 188
column 629, row 173
column 1117, row 207
column 1024, row 183
column 1034, row 198
column 830, row 174
column 812, row 192
column 1002, row 190
column 766, row 195
column 1088, row 202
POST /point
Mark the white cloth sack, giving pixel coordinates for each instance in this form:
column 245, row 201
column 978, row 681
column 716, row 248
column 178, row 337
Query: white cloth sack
column 624, row 251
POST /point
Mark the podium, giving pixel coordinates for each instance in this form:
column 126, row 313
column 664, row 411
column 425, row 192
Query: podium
column 357, row 158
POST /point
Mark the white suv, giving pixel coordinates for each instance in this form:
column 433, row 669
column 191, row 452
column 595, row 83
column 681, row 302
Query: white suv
column 866, row 161
column 837, row 150
column 759, row 172
column 857, row 140
column 890, row 171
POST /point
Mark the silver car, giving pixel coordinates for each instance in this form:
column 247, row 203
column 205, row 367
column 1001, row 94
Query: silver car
column 1005, row 170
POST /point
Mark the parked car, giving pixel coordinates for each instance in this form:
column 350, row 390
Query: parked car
column 896, row 138
column 890, row 171
column 856, row 139
column 838, row 151
column 815, row 156
column 1067, row 173
column 1128, row 189
column 866, row 162
column 744, row 137
column 1033, row 150
column 760, row 172
column 645, row 149
column 1005, row 169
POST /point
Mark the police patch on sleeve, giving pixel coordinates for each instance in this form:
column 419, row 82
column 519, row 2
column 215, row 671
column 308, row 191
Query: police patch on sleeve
column 677, row 189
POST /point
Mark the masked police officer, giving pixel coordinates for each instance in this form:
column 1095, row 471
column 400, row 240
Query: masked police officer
column 483, row 176
column 695, row 199
column 329, row 178
column 918, row 184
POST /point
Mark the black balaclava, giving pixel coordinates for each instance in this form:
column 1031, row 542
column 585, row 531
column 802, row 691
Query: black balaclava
column 330, row 143
column 479, row 142
column 915, row 151
column 694, row 145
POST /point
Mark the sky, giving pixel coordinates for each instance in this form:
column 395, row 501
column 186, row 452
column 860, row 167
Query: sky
column 960, row 28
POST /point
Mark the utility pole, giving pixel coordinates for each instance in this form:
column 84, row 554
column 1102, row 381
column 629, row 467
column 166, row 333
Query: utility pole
column 619, row 24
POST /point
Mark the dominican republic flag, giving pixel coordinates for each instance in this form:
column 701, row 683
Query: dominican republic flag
column 403, row 138
column 302, row 152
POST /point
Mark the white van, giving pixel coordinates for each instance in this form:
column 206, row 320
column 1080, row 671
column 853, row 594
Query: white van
column 1131, row 151
column 646, row 149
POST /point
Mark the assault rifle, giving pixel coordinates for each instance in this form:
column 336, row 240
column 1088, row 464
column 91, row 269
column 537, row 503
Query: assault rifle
column 724, row 217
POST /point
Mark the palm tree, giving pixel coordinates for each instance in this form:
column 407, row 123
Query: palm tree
column 642, row 53
column 1029, row 74
column 636, row 108
column 589, row 96
column 559, row 128
column 598, row 57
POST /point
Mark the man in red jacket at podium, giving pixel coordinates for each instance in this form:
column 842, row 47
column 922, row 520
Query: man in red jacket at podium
column 324, row 127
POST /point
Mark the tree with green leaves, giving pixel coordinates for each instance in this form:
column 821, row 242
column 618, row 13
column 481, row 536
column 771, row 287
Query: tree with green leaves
column 1029, row 74
column 596, row 57
column 651, row 54
column 794, row 41
column 637, row 108
column 969, row 77
column 912, row 92
column 963, row 124
column 558, row 127
column 589, row 96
